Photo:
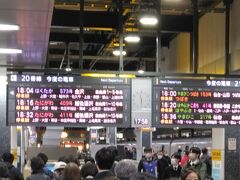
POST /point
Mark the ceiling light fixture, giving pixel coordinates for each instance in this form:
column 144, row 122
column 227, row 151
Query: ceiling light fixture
column 141, row 67
column 8, row 27
column 132, row 38
column 68, row 68
column 141, row 71
column 10, row 51
column 117, row 53
column 148, row 20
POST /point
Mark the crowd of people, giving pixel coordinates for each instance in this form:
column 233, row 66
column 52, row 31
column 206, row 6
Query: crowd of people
column 194, row 164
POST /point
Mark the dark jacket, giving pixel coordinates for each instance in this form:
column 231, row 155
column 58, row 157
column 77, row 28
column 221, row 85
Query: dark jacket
column 41, row 176
column 170, row 172
column 15, row 173
column 103, row 174
column 38, row 176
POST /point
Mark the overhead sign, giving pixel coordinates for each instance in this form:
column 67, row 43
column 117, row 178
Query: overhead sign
column 196, row 102
column 68, row 100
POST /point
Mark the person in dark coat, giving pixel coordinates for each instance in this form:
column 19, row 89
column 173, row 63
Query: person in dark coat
column 195, row 163
column 4, row 172
column 37, row 165
column 104, row 160
column 174, row 170
column 45, row 169
column 15, row 174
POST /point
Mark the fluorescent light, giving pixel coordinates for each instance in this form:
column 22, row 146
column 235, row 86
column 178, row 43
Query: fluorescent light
column 8, row 27
column 10, row 51
column 117, row 53
column 150, row 20
column 96, row 127
column 127, row 75
column 97, row 75
column 132, row 38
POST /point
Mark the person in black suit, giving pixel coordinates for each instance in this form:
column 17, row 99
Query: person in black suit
column 174, row 170
column 104, row 159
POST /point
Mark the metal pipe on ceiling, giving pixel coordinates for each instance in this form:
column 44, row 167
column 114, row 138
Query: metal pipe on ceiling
column 81, row 19
column 227, row 4
column 158, row 37
column 195, row 35
column 120, row 29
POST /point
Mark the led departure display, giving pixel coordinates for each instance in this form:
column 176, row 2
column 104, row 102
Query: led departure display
column 70, row 100
column 196, row 102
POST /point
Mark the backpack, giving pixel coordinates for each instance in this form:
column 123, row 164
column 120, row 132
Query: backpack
column 150, row 167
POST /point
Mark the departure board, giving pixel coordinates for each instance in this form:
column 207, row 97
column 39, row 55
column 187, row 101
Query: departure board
column 68, row 101
column 196, row 102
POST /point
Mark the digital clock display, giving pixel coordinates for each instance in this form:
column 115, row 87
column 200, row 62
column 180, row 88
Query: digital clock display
column 196, row 102
column 70, row 100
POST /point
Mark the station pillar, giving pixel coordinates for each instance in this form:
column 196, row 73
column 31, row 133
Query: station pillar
column 111, row 136
column 232, row 153
column 14, row 144
column 218, row 153
column 4, row 130
column 144, row 140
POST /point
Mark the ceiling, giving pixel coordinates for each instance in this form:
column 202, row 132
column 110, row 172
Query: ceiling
column 32, row 37
column 49, row 34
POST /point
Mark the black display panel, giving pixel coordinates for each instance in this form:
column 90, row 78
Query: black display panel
column 68, row 101
column 196, row 102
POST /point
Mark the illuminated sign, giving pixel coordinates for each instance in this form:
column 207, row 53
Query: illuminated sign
column 196, row 102
column 68, row 101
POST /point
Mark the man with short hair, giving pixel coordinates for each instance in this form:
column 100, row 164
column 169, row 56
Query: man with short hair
column 45, row 169
column 195, row 163
column 15, row 173
column 104, row 160
column 174, row 170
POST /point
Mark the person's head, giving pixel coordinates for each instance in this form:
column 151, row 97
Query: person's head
column 89, row 159
column 143, row 176
column 160, row 154
column 73, row 159
column 104, row 158
column 186, row 152
column 63, row 159
column 180, row 151
column 8, row 157
column 204, row 150
column 4, row 172
column 59, row 168
column 194, row 153
column 89, row 169
column 43, row 157
column 114, row 150
column 71, row 172
column 148, row 153
column 37, row 164
column 175, row 158
column 125, row 169
column 191, row 174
